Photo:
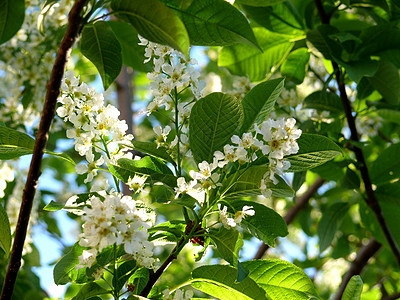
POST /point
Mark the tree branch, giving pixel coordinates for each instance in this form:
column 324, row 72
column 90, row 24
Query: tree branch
column 371, row 200
column 294, row 211
column 53, row 90
column 358, row 264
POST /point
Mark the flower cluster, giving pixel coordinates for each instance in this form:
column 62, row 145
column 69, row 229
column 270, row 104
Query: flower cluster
column 179, row 295
column 115, row 220
column 229, row 222
column 274, row 139
column 95, row 125
column 172, row 72
column 26, row 61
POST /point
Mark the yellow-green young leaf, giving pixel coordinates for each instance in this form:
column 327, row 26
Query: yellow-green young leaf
column 5, row 231
column 101, row 47
column 387, row 166
column 266, row 224
column 353, row 289
column 154, row 21
column 220, row 281
column 12, row 14
column 281, row 280
column 213, row 22
column 245, row 60
column 314, row 151
column 14, row 144
column 213, row 121
column 294, row 68
column 329, row 224
column 259, row 102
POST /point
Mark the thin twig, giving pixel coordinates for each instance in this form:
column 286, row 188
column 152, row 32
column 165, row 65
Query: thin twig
column 294, row 211
column 358, row 264
column 53, row 90
column 371, row 200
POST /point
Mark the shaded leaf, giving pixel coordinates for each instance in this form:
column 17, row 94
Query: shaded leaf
column 324, row 101
column 101, row 47
column 295, row 66
column 151, row 149
column 228, row 242
column 387, row 81
column 329, row 224
column 259, row 102
column 387, row 166
column 154, row 21
column 12, row 14
column 90, row 290
column 64, row 271
column 314, row 151
column 5, row 231
column 266, row 224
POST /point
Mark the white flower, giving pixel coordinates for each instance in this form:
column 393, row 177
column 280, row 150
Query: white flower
column 241, row 214
column 161, row 134
column 183, row 187
column 227, row 221
column 136, row 183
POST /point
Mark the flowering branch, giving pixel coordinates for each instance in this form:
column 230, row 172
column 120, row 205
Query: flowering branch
column 371, row 199
column 53, row 90
column 358, row 264
column 294, row 211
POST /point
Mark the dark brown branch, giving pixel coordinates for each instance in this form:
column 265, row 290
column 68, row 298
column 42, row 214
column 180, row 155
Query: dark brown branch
column 294, row 211
column 53, row 90
column 371, row 200
column 365, row 253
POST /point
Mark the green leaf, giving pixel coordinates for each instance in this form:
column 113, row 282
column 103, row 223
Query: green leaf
column 12, row 14
column 266, row 224
column 281, row 280
column 259, row 3
column 294, row 67
column 353, row 289
column 147, row 165
column 139, row 279
column 5, row 231
column 64, row 271
column 228, row 242
column 53, row 206
column 389, row 115
column 14, row 144
column 213, row 23
column 314, row 151
column 151, row 149
column 387, row 81
column 220, row 282
column 90, row 290
column 280, row 18
column 154, row 21
column 124, row 271
column 101, row 47
column 351, row 180
column 388, row 197
column 356, row 70
column 176, row 228
column 329, row 224
column 248, row 184
column 132, row 53
column 213, row 121
column 245, row 60
column 259, row 102
column 387, row 166
column 324, row 101
column 320, row 42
